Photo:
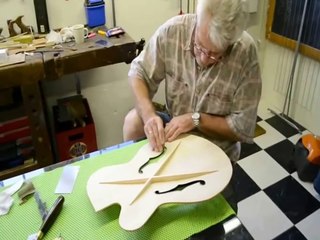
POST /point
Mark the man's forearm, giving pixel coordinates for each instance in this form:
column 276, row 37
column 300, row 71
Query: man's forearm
column 216, row 125
column 143, row 103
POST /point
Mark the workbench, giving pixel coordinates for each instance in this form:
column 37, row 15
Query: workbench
column 48, row 64
column 210, row 219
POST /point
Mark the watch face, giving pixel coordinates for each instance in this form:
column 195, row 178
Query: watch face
column 196, row 115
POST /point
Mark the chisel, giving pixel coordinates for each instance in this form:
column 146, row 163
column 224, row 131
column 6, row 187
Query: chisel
column 51, row 217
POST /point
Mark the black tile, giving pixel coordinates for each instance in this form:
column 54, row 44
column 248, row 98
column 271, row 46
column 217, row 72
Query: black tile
column 242, row 184
column 217, row 232
column 293, row 200
column 248, row 149
column 259, row 119
column 282, row 152
column 291, row 234
column 282, row 126
column 240, row 233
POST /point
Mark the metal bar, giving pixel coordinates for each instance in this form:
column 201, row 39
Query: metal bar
column 291, row 78
column 287, row 101
column 114, row 14
column 188, row 6
column 281, row 115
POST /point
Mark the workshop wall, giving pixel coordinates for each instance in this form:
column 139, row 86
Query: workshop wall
column 106, row 88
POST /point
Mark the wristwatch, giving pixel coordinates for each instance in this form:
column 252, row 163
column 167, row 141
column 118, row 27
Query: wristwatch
column 196, row 119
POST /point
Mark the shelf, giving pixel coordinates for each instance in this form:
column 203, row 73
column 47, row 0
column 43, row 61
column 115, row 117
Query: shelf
column 11, row 172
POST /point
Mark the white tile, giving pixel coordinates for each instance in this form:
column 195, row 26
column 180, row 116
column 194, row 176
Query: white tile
column 262, row 218
column 271, row 136
column 307, row 185
column 263, row 169
column 263, row 111
column 295, row 138
column 309, row 226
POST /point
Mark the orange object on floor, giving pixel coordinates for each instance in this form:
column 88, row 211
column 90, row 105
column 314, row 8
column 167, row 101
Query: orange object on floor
column 312, row 143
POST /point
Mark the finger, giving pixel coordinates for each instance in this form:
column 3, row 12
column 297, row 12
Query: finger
column 173, row 134
column 161, row 133
column 156, row 135
column 151, row 139
column 169, row 131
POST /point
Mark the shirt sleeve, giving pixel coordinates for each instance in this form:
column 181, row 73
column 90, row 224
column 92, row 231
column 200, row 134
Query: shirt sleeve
column 149, row 65
column 242, row 119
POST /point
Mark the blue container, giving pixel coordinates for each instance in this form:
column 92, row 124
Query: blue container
column 95, row 13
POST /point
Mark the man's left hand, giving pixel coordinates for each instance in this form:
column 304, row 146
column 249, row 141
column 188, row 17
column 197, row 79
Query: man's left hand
column 178, row 125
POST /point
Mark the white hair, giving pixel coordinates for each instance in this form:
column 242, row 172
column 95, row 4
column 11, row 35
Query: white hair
column 227, row 20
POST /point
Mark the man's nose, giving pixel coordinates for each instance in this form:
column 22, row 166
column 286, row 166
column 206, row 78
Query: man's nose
column 205, row 59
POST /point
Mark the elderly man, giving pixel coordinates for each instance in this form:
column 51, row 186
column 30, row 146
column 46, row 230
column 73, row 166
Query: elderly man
column 212, row 79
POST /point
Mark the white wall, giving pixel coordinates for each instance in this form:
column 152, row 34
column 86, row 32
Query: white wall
column 106, row 88
column 277, row 65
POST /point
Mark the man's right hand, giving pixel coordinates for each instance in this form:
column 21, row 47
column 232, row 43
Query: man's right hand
column 154, row 131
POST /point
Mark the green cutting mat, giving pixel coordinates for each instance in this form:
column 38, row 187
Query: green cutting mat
column 78, row 220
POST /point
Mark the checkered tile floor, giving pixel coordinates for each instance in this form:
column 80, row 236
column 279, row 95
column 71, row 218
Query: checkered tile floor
column 273, row 202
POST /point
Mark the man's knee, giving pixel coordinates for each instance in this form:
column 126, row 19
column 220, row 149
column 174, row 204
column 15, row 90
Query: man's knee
column 133, row 126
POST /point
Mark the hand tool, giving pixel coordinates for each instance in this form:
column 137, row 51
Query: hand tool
column 51, row 217
column 23, row 28
column 41, row 206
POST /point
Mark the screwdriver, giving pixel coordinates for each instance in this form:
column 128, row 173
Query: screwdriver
column 51, row 217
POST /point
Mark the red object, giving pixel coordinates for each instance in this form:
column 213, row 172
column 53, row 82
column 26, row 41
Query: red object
column 13, row 135
column 76, row 141
column 14, row 124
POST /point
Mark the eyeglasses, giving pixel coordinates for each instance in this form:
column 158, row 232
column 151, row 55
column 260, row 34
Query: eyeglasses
column 205, row 52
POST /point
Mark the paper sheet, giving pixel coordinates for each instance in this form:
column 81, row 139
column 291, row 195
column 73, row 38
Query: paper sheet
column 67, row 179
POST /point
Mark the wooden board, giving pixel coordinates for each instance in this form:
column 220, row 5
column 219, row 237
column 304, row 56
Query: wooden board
column 199, row 167
column 14, row 59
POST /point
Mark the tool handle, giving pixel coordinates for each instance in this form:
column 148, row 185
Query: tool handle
column 51, row 216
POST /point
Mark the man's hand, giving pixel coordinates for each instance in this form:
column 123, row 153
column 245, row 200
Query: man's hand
column 154, row 131
column 177, row 126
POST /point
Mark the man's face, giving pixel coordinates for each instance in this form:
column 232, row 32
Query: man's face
column 204, row 50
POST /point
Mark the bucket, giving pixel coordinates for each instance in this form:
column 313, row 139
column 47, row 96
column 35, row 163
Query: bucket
column 95, row 13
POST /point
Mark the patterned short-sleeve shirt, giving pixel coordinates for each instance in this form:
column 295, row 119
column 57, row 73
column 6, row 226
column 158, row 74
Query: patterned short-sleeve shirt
column 230, row 88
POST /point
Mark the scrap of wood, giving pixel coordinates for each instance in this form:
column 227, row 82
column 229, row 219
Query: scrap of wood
column 20, row 50
column 14, row 59
column 39, row 41
column 12, row 45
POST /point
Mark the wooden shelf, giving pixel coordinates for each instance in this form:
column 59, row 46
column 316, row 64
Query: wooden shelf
column 11, row 172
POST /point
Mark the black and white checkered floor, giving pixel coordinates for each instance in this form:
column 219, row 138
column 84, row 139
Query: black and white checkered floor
column 273, row 202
